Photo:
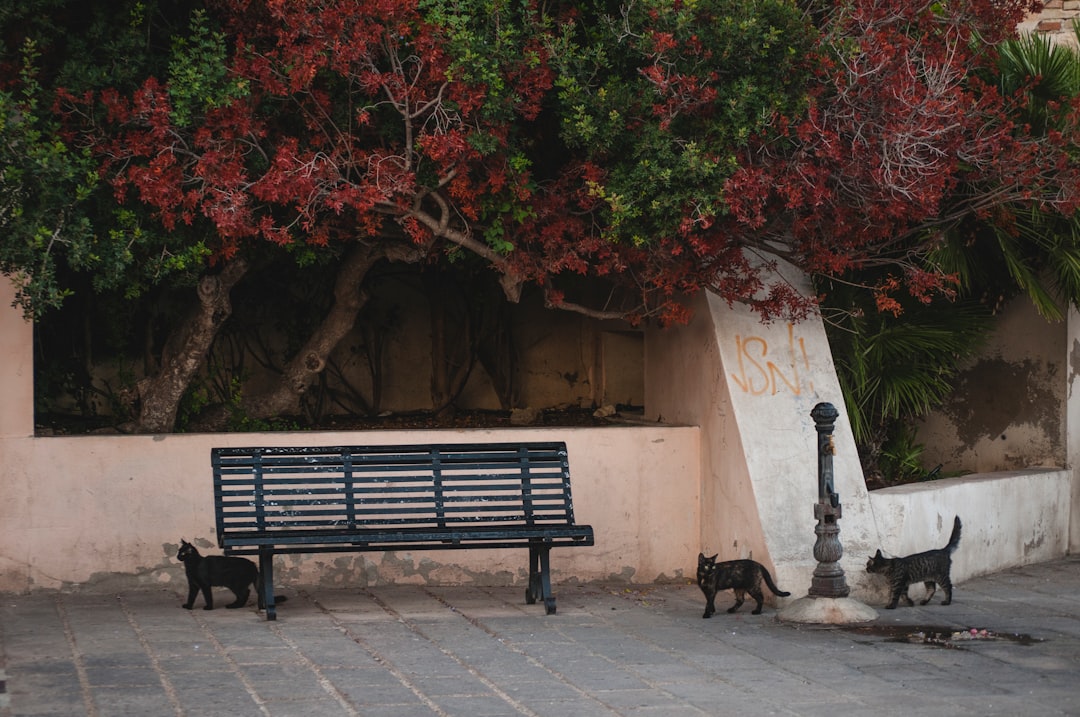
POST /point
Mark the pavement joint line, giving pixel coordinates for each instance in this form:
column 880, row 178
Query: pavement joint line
column 674, row 654
column 502, row 694
column 249, row 686
column 323, row 680
column 612, row 640
column 509, row 644
column 607, row 620
column 77, row 658
column 140, row 635
column 382, row 659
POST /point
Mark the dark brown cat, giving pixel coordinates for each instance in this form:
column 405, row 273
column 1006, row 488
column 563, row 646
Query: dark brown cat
column 931, row 567
column 742, row 576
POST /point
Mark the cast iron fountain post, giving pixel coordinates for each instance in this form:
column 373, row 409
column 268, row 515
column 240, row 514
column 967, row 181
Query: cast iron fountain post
column 828, row 580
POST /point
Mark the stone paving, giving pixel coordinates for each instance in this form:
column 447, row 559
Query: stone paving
column 412, row 651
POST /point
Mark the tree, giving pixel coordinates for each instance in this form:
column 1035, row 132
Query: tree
column 662, row 99
column 42, row 182
column 60, row 220
column 367, row 133
column 904, row 140
column 661, row 147
column 1031, row 247
column 894, row 369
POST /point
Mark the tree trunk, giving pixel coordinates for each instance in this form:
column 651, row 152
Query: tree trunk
column 284, row 396
column 185, row 351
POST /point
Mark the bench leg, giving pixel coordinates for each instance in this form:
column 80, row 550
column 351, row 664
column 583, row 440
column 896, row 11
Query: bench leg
column 540, row 578
column 266, row 570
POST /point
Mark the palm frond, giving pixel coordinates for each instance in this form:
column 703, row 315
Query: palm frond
column 1046, row 72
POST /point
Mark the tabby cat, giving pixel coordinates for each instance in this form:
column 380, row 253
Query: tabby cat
column 237, row 574
column 931, row 567
column 742, row 576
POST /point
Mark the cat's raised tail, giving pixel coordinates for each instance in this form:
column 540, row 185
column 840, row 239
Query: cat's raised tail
column 772, row 586
column 954, row 539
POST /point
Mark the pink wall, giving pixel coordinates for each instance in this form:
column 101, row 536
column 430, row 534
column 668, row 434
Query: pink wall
column 92, row 510
column 16, row 368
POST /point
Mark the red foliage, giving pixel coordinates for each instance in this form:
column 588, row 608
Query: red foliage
column 351, row 119
column 901, row 140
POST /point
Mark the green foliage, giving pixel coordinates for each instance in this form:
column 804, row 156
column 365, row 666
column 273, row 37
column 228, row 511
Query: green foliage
column 901, row 457
column 1044, row 72
column 666, row 94
column 198, row 73
column 893, row 369
column 43, row 185
column 200, row 397
column 482, row 35
column 194, row 401
column 1028, row 248
column 60, row 223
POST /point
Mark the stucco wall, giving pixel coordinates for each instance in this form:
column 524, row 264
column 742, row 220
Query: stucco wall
column 751, row 388
column 739, row 479
column 88, row 511
column 1008, row 411
column 1072, row 422
column 16, row 368
column 1009, row 518
column 85, row 511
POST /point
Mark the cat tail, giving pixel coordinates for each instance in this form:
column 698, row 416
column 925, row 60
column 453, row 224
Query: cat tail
column 278, row 599
column 772, row 586
column 954, row 539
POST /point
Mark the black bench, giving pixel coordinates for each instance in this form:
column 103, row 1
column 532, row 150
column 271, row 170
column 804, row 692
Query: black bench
column 380, row 498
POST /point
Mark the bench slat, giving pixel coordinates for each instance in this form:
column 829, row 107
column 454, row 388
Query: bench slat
column 409, row 536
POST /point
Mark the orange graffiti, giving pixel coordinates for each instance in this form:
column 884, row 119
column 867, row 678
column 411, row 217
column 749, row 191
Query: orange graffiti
column 758, row 374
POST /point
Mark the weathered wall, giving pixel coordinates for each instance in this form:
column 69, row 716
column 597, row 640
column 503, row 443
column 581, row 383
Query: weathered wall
column 86, row 510
column 1072, row 422
column 16, row 368
column 1009, row 408
column 97, row 511
column 89, row 510
column 1016, row 409
column 751, row 388
column 1009, row 518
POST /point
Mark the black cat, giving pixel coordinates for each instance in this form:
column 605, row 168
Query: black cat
column 742, row 576
column 931, row 567
column 237, row 574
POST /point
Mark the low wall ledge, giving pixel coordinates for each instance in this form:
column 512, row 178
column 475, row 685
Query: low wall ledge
column 940, row 483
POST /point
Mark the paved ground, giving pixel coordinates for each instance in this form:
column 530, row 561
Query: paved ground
column 412, row 651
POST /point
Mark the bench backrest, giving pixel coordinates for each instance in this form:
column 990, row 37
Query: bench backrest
column 425, row 486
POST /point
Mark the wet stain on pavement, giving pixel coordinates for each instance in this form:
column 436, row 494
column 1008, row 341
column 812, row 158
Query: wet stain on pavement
column 940, row 636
